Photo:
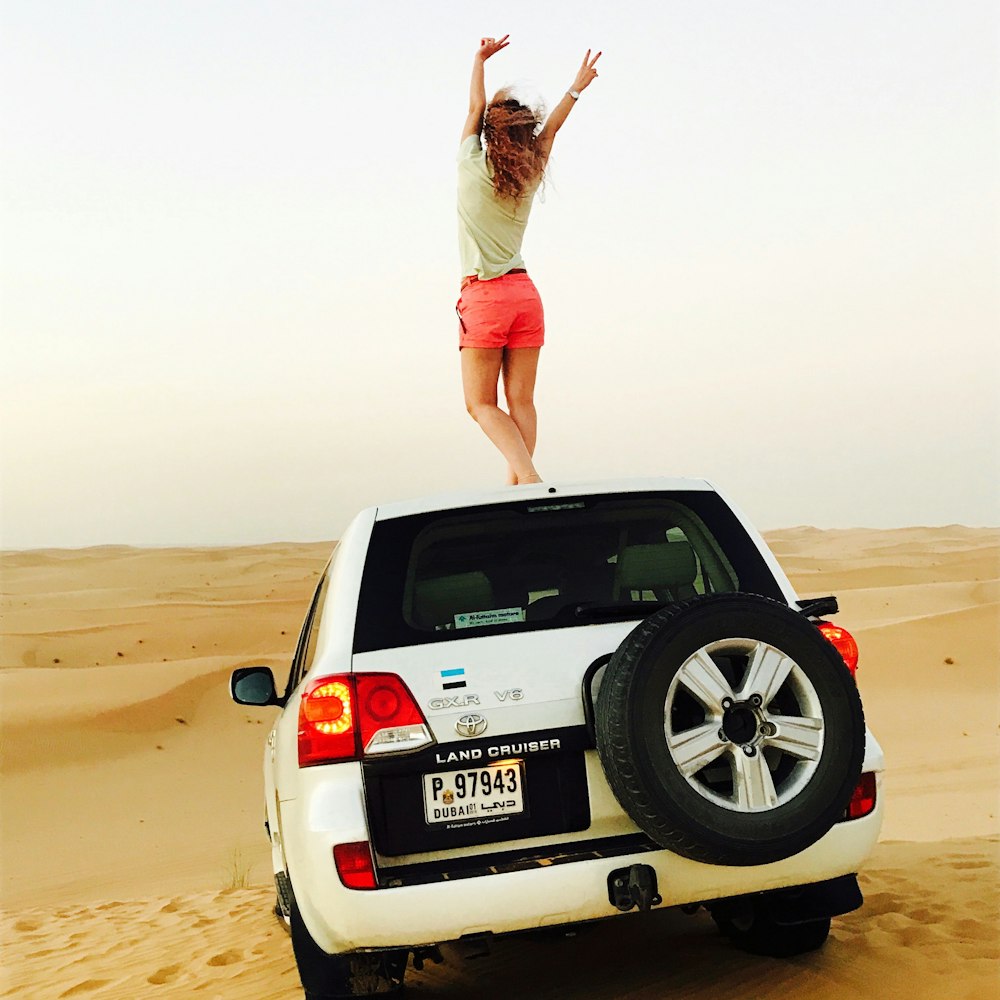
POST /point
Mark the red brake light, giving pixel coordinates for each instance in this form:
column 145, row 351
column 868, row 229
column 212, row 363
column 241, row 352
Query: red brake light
column 385, row 709
column 863, row 800
column 344, row 716
column 843, row 642
column 327, row 730
column 355, row 866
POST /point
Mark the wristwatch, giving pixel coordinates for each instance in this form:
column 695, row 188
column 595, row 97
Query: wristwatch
column 575, row 94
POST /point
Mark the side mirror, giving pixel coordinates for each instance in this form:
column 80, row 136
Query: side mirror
column 253, row 686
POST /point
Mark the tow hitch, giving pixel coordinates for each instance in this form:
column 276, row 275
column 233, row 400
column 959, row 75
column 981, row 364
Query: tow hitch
column 633, row 886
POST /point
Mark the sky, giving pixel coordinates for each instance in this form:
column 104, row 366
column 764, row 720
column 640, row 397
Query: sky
column 768, row 247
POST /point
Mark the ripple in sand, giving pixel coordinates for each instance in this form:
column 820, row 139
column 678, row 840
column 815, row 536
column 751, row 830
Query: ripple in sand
column 230, row 957
column 87, row 986
column 165, row 975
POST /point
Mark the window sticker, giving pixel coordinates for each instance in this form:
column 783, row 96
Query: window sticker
column 500, row 616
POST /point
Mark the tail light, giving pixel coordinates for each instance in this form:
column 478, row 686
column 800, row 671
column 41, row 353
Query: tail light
column 347, row 716
column 355, row 866
column 843, row 642
column 390, row 719
column 863, row 800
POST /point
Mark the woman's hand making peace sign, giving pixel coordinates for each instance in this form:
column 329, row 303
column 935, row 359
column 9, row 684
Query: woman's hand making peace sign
column 491, row 46
column 586, row 74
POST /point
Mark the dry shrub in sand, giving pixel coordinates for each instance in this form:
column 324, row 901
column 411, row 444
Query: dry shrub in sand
column 237, row 873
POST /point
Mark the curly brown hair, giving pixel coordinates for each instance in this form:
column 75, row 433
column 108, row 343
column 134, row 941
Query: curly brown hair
column 510, row 130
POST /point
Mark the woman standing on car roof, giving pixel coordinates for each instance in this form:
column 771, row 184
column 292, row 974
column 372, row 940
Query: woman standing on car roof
column 501, row 324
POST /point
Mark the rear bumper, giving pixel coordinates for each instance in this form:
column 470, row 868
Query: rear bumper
column 341, row 920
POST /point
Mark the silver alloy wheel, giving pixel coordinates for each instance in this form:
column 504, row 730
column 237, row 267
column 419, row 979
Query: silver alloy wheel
column 746, row 753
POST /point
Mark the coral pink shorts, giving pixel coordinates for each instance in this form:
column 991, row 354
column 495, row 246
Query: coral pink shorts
column 501, row 312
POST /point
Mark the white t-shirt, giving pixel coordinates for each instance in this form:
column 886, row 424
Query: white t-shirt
column 490, row 229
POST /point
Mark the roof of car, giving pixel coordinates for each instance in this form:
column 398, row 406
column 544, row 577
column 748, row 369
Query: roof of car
column 549, row 491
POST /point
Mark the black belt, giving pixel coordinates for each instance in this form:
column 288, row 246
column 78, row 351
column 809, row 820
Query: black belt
column 470, row 278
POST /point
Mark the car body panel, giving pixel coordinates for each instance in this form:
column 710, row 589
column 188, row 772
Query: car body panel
column 545, row 667
column 342, row 920
column 537, row 491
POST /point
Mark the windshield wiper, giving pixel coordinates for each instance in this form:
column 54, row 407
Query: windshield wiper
column 618, row 609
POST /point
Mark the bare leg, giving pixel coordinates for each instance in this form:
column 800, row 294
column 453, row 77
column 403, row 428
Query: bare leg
column 480, row 374
column 520, row 366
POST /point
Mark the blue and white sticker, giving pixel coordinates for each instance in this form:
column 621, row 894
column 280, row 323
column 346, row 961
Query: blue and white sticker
column 453, row 677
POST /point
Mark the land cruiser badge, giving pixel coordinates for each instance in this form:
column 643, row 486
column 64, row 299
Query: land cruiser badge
column 471, row 725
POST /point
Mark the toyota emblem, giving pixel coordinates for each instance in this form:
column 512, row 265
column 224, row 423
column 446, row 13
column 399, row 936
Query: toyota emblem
column 471, row 725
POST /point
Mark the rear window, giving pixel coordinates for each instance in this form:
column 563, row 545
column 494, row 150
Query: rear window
column 549, row 564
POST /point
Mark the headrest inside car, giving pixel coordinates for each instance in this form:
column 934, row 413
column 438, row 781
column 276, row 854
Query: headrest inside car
column 657, row 566
column 436, row 601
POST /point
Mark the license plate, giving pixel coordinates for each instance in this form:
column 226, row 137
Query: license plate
column 474, row 794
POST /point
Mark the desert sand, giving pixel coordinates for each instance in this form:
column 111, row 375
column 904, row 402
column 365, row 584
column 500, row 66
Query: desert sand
column 133, row 863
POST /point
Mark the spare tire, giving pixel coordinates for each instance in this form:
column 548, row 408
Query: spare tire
column 730, row 730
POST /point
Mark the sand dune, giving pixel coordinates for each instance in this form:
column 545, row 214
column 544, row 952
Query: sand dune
column 131, row 800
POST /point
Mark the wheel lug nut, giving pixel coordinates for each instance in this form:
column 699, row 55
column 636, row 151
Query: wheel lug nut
column 727, row 703
column 767, row 729
column 722, row 736
column 749, row 750
column 756, row 700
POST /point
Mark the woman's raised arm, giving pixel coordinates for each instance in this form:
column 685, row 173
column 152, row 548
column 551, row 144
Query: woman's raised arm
column 585, row 76
column 477, row 88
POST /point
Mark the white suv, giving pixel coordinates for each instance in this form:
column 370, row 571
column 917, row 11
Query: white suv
column 554, row 704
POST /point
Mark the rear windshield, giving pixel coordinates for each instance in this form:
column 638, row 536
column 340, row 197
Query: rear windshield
column 549, row 564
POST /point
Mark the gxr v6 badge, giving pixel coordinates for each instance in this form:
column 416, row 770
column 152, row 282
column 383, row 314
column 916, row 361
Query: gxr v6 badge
column 511, row 694
column 453, row 701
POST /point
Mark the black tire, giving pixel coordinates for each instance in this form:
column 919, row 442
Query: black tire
column 690, row 814
column 336, row 977
column 751, row 928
